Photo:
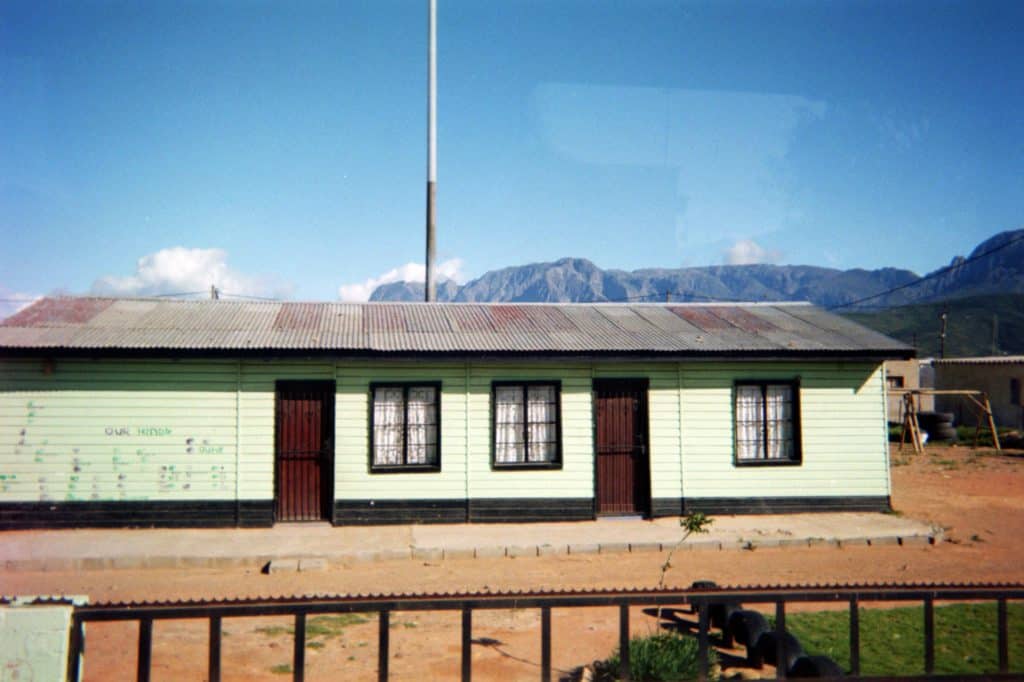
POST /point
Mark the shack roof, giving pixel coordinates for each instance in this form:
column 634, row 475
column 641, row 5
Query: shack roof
column 87, row 326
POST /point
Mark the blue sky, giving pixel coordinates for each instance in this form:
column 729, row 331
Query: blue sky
column 278, row 149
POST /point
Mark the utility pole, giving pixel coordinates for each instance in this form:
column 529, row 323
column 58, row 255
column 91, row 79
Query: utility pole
column 995, row 333
column 944, row 316
column 431, row 286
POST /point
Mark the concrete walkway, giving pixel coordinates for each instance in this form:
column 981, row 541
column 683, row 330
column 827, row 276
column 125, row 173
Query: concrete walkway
column 314, row 546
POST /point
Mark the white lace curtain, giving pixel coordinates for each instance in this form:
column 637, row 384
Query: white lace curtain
column 388, row 426
column 390, row 429
column 749, row 434
column 525, row 428
column 764, row 416
column 541, row 415
column 422, row 425
column 779, row 413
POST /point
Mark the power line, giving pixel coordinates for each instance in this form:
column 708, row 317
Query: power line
column 937, row 273
column 254, row 298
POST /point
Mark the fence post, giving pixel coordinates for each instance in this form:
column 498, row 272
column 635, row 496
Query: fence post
column 929, row 635
column 214, row 660
column 702, row 642
column 145, row 648
column 467, row 644
column 76, row 647
column 383, row 644
column 299, row 654
column 854, row 636
column 780, row 641
column 1004, row 642
column 545, row 643
column 624, row 641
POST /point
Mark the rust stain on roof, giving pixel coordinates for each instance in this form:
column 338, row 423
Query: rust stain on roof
column 743, row 319
column 701, row 317
column 57, row 311
column 296, row 316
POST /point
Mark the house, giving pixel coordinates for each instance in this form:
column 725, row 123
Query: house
column 225, row 413
column 900, row 374
column 999, row 376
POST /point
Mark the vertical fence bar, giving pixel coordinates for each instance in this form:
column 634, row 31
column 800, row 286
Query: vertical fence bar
column 929, row 636
column 854, row 636
column 781, row 667
column 145, row 649
column 76, row 646
column 702, row 642
column 624, row 641
column 545, row 643
column 214, row 661
column 299, row 654
column 467, row 644
column 1004, row 642
column 383, row 644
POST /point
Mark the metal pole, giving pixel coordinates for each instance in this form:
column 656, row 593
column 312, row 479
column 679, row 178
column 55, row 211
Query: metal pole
column 431, row 285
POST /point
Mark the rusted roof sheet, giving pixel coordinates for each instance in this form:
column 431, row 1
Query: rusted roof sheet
column 606, row 328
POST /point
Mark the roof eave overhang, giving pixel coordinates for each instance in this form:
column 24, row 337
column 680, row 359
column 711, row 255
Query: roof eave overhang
column 863, row 355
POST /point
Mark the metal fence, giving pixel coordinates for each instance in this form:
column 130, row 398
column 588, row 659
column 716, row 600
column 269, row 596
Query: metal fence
column 700, row 600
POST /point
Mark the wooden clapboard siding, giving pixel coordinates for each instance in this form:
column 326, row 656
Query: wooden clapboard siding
column 843, row 432
column 171, row 438
column 575, row 478
column 352, row 477
column 227, row 402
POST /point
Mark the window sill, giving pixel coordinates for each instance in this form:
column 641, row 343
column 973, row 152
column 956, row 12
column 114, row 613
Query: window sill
column 406, row 469
column 505, row 466
column 767, row 462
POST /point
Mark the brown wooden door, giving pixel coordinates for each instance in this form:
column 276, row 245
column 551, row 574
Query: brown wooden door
column 304, row 451
column 623, row 485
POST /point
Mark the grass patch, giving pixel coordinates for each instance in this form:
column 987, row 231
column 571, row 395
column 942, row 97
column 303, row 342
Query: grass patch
column 282, row 669
column 664, row 656
column 892, row 640
column 318, row 629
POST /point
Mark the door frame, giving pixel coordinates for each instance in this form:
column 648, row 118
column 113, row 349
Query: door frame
column 327, row 463
column 642, row 386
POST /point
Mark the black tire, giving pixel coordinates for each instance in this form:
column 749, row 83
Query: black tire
column 720, row 613
column 767, row 648
column 746, row 627
column 943, row 433
column 704, row 585
column 815, row 666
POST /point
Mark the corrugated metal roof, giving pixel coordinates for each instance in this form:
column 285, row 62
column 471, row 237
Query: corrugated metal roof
column 656, row 329
column 983, row 360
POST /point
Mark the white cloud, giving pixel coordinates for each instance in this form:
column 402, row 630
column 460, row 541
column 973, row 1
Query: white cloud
column 183, row 270
column 14, row 301
column 410, row 272
column 747, row 251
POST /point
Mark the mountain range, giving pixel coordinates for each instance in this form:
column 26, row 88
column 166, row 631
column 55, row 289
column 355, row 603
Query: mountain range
column 580, row 280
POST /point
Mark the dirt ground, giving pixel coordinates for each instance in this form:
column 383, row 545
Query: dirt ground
column 977, row 496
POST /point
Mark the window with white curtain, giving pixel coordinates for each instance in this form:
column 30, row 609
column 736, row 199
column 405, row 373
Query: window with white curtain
column 404, row 431
column 526, row 424
column 766, row 418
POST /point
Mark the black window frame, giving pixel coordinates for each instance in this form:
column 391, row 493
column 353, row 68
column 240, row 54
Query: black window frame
column 797, row 458
column 405, row 467
column 1015, row 391
column 556, row 463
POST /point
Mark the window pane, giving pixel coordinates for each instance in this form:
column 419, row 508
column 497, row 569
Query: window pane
column 508, row 424
column 749, row 423
column 422, row 427
column 779, row 409
column 388, row 426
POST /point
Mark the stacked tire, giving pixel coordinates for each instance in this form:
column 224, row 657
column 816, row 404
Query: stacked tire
column 938, row 425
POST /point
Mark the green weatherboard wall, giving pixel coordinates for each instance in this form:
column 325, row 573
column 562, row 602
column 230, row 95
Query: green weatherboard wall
column 175, row 436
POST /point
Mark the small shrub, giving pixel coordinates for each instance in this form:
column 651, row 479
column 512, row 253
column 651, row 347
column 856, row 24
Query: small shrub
column 658, row 657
